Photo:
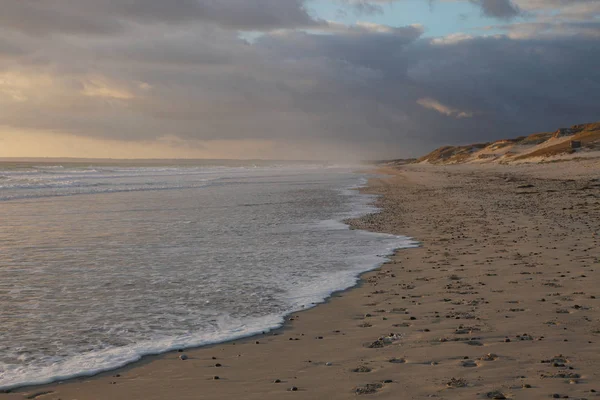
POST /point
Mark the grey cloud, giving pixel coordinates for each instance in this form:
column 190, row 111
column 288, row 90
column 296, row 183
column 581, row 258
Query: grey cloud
column 497, row 8
column 364, row 7
column 362, row 86
column 109, row 17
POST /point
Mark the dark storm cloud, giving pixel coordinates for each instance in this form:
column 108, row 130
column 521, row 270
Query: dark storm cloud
column 390, row 91
column 110, row 17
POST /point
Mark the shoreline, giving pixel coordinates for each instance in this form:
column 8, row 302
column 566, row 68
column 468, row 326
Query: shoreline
column 283, row 326
column 487, row 263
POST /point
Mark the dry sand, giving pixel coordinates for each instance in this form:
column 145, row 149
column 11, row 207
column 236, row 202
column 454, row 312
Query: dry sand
column 501, row 301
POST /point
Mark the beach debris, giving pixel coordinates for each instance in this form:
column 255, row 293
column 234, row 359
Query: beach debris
column 362, row 368
column 368, row 388
column 216, row 377
column 397, row 360
column 183, row 357
column 496, row 394
column 556, row 361
column 489, row 357
column 525, row 336
column 456, row 383
column 562, row 375
column 464, row 330
column 328, row 364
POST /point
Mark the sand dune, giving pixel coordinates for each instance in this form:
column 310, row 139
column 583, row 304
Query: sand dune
column 539, row 147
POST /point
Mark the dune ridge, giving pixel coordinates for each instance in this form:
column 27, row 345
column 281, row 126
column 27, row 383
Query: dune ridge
column 535, row 148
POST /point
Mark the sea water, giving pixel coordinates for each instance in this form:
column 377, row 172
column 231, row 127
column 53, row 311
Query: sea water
column 101, row 265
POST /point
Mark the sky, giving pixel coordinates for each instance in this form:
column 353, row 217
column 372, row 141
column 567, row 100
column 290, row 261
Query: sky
column 290, row 79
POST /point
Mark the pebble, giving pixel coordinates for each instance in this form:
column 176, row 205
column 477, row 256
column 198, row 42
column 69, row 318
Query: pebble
column 293, row 389
column 183, row 357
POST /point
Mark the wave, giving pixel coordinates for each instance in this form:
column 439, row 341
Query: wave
column 297, row 298
column 91, row 190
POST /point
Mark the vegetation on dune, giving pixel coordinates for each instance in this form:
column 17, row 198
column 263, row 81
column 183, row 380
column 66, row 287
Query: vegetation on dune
column 538, row 145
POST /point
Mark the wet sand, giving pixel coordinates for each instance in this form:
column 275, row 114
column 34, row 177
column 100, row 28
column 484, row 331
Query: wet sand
column 501, row 301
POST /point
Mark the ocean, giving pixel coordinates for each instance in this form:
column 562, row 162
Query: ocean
column 103, row 264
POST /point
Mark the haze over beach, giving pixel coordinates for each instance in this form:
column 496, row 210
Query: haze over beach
column 317, row 199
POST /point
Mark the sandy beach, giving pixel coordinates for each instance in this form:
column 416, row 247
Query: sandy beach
column 501, row 301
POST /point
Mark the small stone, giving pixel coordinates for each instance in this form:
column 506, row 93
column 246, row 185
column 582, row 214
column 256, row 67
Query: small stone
column 397, row 360
column 293, row 389
column 456, row 383
column 527, row 386
column 216, row 378
column 328, row 364
column 218, row 365
column 183, row 357
column 277, row 381
column 496, row 395
column 556, row 396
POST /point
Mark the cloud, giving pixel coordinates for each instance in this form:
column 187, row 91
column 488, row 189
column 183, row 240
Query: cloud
column 363, row 7
column 504, row 9
column 435, row 105
column 162, row 78
column 107, row 17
